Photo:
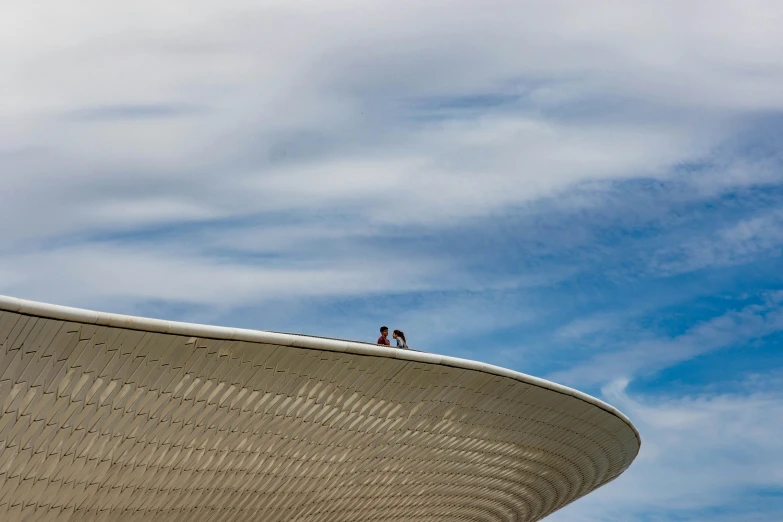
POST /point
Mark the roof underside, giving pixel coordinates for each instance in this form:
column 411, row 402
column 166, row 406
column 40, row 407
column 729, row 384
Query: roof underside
column 131, row 419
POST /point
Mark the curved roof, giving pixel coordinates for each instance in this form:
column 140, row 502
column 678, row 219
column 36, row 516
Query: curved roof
column 112, row 417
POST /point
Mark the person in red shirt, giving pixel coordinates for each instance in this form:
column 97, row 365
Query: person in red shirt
column 383, row 338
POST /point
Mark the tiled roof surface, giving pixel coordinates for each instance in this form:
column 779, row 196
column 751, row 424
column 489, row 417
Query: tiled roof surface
column 113, row 418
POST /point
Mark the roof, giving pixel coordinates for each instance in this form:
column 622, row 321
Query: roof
column 121, row 418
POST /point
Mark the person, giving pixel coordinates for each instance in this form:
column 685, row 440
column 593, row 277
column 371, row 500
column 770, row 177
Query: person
column 383, row 338
column 401, row 342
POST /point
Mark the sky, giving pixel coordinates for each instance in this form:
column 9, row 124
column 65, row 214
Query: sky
column 589, row 192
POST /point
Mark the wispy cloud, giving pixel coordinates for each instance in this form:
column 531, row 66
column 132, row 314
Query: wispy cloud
column 700, row 455
column 648, row 356
column 80, row 274
column 119, row 113
column 748, row 240
column 352, row 86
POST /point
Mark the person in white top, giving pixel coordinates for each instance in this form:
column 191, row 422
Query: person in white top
column 401, row 342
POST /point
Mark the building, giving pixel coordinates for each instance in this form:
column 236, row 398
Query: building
column 115, row 418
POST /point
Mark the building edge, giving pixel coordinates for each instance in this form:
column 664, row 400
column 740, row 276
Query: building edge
column 79, row 315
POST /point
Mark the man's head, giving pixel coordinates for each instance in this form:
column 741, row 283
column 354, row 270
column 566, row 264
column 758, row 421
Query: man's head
column 384, row 331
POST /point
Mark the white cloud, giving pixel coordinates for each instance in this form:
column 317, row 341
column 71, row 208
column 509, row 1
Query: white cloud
column 81, row 275
column 653, row 354
column 389, row 114
column 344, row 70
column 747, row 240
column 588, row 326
column 699, row 453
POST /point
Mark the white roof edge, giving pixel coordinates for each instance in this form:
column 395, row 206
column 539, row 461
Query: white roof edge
column 66, row 313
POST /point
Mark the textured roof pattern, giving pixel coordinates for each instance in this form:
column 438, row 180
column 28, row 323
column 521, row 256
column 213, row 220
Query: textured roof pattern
column 113, row 418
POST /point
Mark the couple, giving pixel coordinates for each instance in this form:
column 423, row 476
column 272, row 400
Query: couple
column 401, row 343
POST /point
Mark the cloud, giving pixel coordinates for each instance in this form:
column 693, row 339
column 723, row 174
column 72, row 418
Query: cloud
column 651, row 355
column 317, row 105
column 588, row 326
column 757, row 237
column 701, row 456
column 117, row 113
column 82, row 274
column 389, row 120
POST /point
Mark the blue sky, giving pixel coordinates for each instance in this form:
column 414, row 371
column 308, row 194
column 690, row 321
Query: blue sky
column 587, row 193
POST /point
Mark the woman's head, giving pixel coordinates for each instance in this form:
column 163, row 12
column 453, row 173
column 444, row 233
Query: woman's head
column 398, row 333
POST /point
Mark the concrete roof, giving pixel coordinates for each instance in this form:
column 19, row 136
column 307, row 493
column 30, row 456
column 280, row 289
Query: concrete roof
column 111, row 417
